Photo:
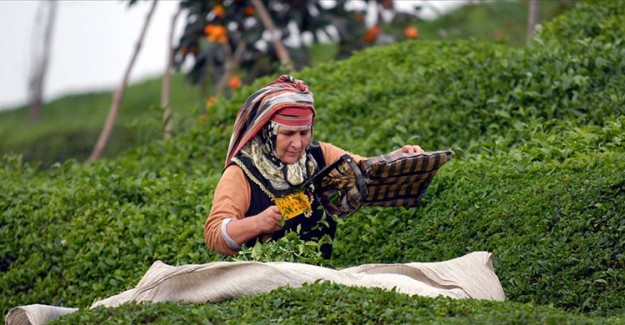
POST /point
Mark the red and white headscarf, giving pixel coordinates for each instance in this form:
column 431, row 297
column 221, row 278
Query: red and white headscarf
column 294, row 117
column 285, row 101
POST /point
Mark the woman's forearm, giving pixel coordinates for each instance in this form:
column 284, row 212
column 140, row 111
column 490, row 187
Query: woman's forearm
column 242, row 230
column 245, row 229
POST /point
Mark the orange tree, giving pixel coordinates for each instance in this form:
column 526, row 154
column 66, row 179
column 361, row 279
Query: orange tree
column 224, row 38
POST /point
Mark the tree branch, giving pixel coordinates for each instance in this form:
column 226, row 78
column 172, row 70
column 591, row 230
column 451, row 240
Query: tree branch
column 166, row 90
column 281, row 51
column 119, row 94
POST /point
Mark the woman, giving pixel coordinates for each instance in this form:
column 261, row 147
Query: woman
column 271, row 152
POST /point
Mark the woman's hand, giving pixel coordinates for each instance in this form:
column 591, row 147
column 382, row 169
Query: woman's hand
column 269, row 220
column 261, row 225
column 408, row 149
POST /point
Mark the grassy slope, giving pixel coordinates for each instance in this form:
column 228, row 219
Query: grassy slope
column 500, row 21
column 70, row 126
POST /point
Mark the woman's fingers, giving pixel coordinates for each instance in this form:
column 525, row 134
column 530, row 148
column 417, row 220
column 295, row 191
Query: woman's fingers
column 274, row 209
column 408, row 148
column 411, row 149
column 273, row 218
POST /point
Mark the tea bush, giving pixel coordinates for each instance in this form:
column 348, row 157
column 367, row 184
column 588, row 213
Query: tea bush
column 325, row 303
column 537, row 179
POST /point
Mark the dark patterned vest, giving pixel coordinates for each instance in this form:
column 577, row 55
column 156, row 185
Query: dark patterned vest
column 313, row 227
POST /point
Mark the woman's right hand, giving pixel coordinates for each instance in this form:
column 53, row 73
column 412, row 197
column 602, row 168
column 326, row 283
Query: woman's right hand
column 269, row 220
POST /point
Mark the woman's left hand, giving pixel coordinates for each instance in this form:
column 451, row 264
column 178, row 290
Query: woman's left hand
column 408, row 149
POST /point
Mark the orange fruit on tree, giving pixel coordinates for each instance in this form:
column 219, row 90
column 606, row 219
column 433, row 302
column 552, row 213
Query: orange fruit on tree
column 216, row 33
column 219, row 10
column 411, row 32
column 222, row 38
column 372, row 34
column 208, row 29
column 234, row 82
column 249, row 11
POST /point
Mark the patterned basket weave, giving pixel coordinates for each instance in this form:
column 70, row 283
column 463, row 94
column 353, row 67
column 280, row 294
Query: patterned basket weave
column 400, row 180
column 341, row 188
column 393, row 180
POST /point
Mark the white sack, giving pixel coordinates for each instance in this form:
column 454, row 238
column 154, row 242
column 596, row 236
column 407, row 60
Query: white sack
column 469, row 276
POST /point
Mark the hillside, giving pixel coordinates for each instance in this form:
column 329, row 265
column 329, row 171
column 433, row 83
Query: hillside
column 69, row 126
column 538, row 179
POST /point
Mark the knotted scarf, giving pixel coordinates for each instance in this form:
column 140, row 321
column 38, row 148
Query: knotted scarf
column 260, row 107
column 285, row 101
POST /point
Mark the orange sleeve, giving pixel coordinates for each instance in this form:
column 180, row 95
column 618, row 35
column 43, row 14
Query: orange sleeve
column 231, row 200
column 332, row 153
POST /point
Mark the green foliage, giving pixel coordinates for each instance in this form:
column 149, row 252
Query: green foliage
column 216, row 30
column 589, row 21
column 538, row 179
column 467, row 94
column 551, row 212
column 326, row 303
column 499, row 21
column 289, row 248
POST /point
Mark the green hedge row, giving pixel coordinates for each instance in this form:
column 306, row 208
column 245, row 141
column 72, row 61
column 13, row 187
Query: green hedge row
column 325, row 303
column 537, row 179
column 554, row 223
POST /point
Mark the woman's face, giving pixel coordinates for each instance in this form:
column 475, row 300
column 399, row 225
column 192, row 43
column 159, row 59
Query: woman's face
column 291, row 143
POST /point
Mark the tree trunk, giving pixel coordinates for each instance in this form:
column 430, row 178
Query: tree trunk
column 166, row 90
column 532, row 19
column 233, row 61
column 118, row 95
column 265, row 18
column 41, row 58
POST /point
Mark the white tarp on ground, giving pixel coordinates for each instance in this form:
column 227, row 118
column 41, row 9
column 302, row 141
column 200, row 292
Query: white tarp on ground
column 469, row 276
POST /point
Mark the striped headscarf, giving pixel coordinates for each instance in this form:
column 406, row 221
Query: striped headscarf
column 261, row 106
